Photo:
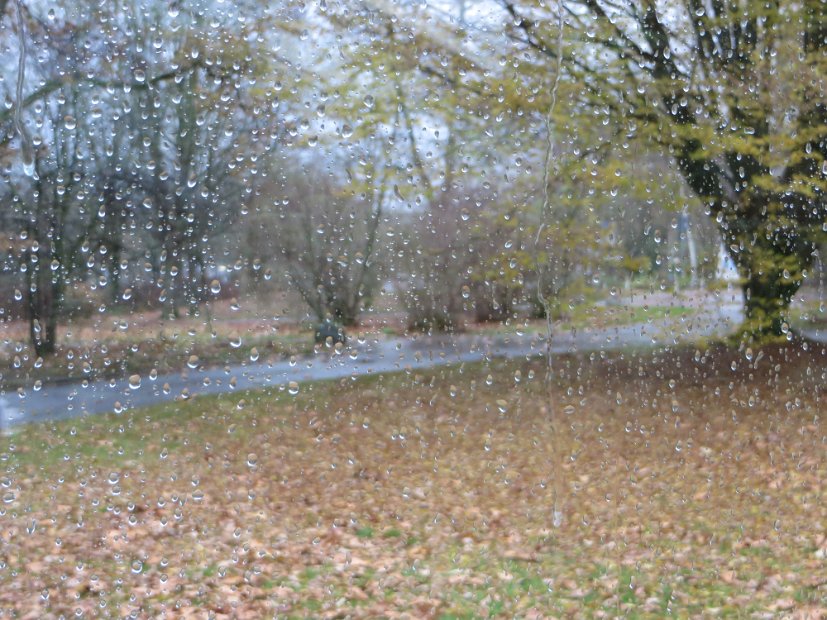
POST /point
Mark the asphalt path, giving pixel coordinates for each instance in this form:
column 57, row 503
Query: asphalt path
column 62, row 401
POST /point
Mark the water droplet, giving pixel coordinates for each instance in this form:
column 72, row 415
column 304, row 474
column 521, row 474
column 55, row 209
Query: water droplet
column 28, row 167
column 253, row 354
column 192, row 362
column 134, row 382
column 69, row 122
column 252, row 459
column 293, row 388
column 137, row 567
column 557, row 518
column 347, row 131
column 215, row 287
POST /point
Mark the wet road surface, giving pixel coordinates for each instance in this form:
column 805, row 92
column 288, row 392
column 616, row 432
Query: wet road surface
column 62, row 401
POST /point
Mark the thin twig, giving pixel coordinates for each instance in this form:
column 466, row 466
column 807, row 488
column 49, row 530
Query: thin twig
column 557, row 461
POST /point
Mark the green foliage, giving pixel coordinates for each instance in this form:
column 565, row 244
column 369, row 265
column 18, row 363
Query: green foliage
column 733, row 99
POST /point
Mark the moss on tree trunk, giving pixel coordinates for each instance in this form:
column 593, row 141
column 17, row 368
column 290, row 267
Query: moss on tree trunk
column 771, row 274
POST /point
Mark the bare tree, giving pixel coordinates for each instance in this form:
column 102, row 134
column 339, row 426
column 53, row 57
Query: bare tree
column 325, row 240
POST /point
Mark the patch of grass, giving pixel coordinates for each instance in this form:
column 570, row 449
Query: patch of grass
column 309, row 574
column 615, row 316
column 810, row 314
column 587, row 316
column 117, row 358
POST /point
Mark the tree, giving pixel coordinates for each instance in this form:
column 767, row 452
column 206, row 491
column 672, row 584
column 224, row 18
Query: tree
column 325, row 238
column 146, row 136
column 56, row 212
column 197, row 140
column 734, row 91
column 55, row 204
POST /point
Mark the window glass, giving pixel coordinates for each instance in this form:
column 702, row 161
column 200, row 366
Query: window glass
column 438, row 309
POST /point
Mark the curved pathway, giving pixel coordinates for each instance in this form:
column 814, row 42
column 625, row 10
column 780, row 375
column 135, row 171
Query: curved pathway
column 62, row 401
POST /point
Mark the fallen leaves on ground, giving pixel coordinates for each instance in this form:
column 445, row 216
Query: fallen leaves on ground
column 693, row 485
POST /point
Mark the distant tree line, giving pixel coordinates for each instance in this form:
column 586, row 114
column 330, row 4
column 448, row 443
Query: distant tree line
column 373, row 144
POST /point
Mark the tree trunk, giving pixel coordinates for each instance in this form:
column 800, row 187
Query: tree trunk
column 115, row 276
column 43, row 292
column 493, row 303
column 193, row 285
column 771, row 276
column 345, row 314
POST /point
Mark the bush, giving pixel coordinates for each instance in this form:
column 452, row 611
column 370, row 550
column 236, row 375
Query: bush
column 426, row 314
column 330, row 333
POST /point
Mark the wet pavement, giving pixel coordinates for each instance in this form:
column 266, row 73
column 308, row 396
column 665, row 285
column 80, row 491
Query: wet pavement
column 62, row 401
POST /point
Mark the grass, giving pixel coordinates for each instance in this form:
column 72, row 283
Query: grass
column 120, row 342
column 590, row 316
column 162, row 353
column 89, row 353
column 693, row 485
column 811, row 314
column 609, row 316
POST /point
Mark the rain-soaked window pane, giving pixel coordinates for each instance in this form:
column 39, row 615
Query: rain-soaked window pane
column 434, row 309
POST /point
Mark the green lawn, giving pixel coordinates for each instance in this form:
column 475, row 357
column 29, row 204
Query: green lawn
column 610, row 316
column 162, row 353
column 813, row 313
column 590, row 316
column 694, row 484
